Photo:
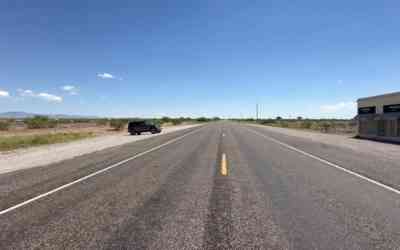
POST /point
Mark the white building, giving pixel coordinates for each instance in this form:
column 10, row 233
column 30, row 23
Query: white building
column 379, row 117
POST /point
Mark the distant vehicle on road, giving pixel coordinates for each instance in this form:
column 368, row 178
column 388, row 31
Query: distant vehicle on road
column 138, row 127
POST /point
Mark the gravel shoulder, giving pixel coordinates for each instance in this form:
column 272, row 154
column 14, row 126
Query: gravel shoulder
column 44, row 155
column 372, row 148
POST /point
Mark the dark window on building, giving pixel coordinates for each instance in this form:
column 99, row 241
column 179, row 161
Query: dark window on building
column 381, row 127
column 391, row 108
column 366, row 110
column 398, row 127
column 392, row 128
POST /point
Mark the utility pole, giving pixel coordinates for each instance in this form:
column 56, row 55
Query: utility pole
column 257, row 112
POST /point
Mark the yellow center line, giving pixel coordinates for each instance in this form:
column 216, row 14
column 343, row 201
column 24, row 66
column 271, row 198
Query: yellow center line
column 224, row 165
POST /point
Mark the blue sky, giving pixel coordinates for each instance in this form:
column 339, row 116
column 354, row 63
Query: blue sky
column 195, row 58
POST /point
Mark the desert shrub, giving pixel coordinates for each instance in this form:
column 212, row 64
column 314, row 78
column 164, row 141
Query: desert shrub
column 176, row 121
column 101, row 122
column 118, row 124
column 325, row 126
column 5, row 125
column 247, row 120
column 40, row 122
column 306, row 125
column 315, row 126
column 80, row 120
column 293, row 124
column 266, row 121
column 65, row 121
column 284, row 124
column 165, row 119
column 202, row 119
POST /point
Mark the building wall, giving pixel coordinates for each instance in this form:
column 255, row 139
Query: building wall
column 379, row 101
column 380, row 125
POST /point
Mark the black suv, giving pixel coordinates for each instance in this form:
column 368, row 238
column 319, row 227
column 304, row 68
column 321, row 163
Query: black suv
column 138, row 127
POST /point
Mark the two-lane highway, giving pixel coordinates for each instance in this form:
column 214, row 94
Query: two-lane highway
column 219, row 186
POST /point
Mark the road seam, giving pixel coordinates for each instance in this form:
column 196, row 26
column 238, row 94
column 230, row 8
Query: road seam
column 327, row 162
column 94, row 174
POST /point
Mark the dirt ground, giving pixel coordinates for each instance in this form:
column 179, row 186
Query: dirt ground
column 47, row 154
column 379, row 149
column 67, row 128
column 71, row 127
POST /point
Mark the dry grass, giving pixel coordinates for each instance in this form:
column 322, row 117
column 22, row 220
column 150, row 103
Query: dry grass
column 15, row 142
column 69, row 128
column 324, row 126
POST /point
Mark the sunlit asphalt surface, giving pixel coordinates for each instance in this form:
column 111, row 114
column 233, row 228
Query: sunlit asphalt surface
column 187, row 195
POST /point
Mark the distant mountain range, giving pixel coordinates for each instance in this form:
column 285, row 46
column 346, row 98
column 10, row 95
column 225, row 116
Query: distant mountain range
column 24, row 115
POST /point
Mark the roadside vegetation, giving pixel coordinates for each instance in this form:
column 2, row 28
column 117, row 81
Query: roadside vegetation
column 40, row 122
column 15, row 142
column 5, row 125
column 118, row 124
column 184, row 120
column 42, row 130
column 335, row 126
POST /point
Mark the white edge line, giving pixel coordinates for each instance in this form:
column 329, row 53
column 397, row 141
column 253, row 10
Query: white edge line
column 328, row 163
column 93, row 174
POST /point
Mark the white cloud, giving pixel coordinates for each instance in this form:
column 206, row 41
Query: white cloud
column 43, row 96
column 72, row 90
column 338, row 107
column 68, row 87
column 105, row 76
column 50, row 97
column 25, row 92
column 4, row 93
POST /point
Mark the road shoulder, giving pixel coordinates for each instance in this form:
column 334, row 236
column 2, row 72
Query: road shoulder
column 373, row 148
column 44, row 155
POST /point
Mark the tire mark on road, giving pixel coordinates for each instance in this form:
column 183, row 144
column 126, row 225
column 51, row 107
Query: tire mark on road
column 145, row 222
column 219, row 226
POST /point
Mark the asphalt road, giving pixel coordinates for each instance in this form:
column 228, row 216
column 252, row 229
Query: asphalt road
column 219, row 186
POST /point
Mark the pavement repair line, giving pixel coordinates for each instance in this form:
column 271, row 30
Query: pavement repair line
column 328, row 163
column 224, row 165
column 93, row 174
